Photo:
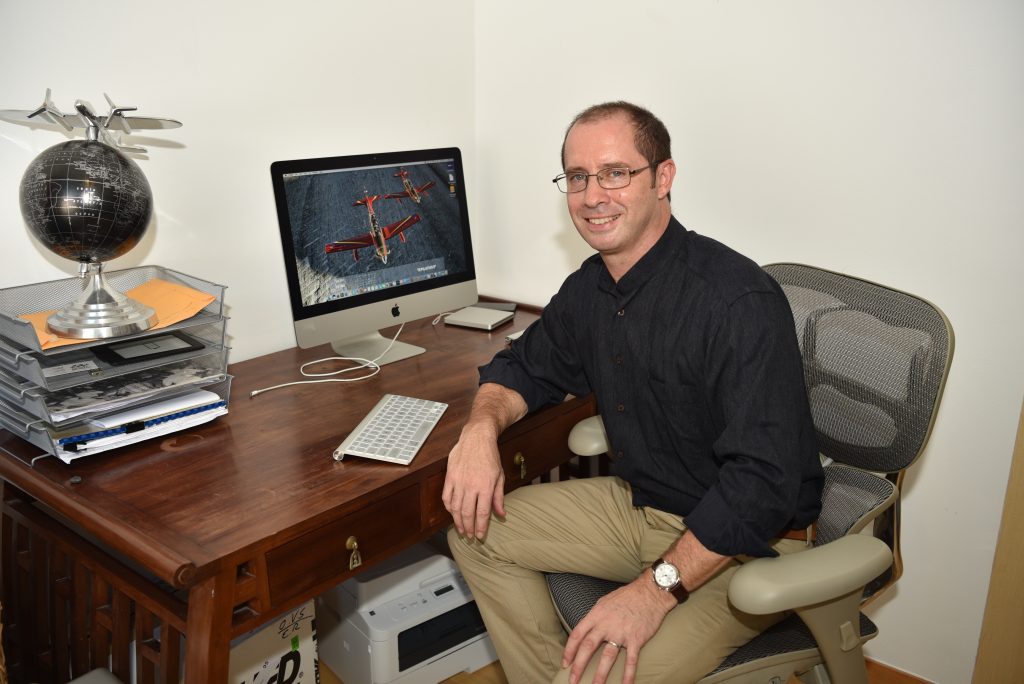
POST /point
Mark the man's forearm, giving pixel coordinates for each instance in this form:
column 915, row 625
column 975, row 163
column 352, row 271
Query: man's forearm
column 696, row 563
column 494, row 409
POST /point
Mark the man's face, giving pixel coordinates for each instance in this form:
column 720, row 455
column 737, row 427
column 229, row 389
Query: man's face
column 621, row 224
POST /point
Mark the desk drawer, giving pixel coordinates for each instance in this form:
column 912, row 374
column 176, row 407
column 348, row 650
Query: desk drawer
column 321, row 555
column 535, row 446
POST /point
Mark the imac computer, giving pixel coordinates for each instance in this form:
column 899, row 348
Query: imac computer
column 370, row 241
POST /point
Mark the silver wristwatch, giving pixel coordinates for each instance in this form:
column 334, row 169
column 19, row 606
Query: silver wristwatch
column 666, row 576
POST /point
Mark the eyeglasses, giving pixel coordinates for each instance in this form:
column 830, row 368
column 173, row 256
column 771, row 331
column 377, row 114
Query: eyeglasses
column 612, row 178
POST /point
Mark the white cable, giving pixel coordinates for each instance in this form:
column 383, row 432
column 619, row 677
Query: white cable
column 370, row 364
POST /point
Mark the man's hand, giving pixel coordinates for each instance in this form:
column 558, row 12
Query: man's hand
column 629, row 616
column 475, row 483
column 625, row 620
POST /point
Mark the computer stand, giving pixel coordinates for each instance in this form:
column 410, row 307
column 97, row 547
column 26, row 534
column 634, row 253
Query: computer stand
column 372, row 345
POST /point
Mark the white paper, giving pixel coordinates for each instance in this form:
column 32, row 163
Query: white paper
column 160, row 408
column 113, row 441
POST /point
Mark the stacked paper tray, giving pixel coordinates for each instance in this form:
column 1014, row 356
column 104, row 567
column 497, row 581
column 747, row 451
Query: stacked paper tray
column 84, row 397
column 108, row 393
column 143, row 420
column 65, row 367
column 54, row 294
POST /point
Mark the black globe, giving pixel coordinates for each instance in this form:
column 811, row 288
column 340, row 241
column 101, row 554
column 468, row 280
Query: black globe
column 86, row 201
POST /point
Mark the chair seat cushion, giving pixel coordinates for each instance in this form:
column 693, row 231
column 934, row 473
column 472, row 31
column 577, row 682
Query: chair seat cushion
column 788, row 636
column 574, row 595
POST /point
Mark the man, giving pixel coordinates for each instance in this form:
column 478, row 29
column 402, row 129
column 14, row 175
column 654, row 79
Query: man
column 690, row 351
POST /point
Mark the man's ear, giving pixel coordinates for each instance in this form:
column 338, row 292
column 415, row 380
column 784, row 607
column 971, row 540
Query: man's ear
column 666, row 173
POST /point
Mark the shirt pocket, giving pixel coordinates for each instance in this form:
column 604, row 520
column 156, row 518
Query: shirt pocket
column 680, row 421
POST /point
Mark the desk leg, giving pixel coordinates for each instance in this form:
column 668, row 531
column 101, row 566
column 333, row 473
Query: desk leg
column 208, row 632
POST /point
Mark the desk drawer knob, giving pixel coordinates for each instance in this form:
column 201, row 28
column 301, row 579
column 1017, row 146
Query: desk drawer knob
column 520, row 461
column 354, row 560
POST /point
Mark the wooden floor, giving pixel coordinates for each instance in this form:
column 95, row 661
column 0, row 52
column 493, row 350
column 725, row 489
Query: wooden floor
column 493, row 674
column 881, row 674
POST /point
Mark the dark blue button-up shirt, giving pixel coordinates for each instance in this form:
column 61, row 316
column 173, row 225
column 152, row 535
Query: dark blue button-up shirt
column 692, row 357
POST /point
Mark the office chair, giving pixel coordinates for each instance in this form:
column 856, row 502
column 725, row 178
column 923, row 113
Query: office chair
column 875, row 364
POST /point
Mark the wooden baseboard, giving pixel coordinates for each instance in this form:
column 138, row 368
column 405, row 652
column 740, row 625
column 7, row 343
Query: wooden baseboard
column 883, row 674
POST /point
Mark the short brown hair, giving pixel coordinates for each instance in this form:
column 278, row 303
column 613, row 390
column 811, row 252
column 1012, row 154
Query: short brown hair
column 649, row 134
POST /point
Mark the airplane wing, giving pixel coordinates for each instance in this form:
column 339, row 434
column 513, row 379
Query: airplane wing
column 398, row 226
column 23, row 116
column 117, row 120
column 368, row 199
column 357, row 242
column 405, row 193
column 46, row 112
column 126, row 124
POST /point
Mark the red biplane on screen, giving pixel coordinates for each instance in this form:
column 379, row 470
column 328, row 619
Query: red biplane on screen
column 378, row 235
column 411, row 191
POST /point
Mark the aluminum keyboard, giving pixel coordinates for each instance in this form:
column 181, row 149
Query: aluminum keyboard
column 393, row 430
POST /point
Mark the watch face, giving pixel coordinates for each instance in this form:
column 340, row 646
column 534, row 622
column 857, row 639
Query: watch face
column 666, row 575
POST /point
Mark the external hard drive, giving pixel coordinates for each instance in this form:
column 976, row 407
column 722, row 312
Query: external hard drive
column 476, row 317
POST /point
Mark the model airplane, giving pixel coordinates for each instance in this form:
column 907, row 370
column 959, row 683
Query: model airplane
column 411, row 191
column 378, row 236
column 107, row 129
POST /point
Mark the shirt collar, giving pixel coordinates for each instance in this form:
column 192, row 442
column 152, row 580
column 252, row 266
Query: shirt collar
column 671, row 243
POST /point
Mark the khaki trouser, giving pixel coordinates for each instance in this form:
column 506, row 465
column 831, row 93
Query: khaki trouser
column 590, row 526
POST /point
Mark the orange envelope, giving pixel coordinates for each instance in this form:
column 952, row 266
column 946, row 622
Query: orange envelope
column 171, row 301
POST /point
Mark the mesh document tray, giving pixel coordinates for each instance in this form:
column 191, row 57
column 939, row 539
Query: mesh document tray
column 54, row 294
column 106, row 394
column 44, row 435
column 65, row 367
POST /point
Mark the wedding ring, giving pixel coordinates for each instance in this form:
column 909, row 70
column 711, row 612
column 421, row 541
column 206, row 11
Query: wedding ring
column 609, row 641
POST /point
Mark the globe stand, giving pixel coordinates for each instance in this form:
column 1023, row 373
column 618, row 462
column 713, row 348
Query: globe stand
column 100, row 311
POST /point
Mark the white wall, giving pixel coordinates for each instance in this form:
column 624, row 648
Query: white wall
column 877, row 138
column 252, row 82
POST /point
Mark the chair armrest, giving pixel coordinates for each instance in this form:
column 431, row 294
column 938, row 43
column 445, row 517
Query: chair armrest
column 770, row 585
column 588, row 438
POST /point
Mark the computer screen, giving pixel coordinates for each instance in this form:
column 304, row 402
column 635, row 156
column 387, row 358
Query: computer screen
column 372, row 240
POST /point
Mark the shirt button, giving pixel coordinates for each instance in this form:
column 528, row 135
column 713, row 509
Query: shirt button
column 620, row 408
column 618, row 360
column 620, row 313
column 619, row 454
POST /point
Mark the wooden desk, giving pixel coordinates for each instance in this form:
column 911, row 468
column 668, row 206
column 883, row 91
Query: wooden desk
column 211, row 532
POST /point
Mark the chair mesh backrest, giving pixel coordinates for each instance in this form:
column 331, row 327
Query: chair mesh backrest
column 848, row 497
column 874, row 363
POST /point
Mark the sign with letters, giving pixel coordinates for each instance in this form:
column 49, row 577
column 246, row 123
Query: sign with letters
column 281, row 652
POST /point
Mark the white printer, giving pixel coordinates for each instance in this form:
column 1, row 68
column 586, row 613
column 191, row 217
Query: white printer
column 410, row 620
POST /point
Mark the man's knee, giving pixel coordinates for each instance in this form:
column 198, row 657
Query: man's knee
column 460, row 546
